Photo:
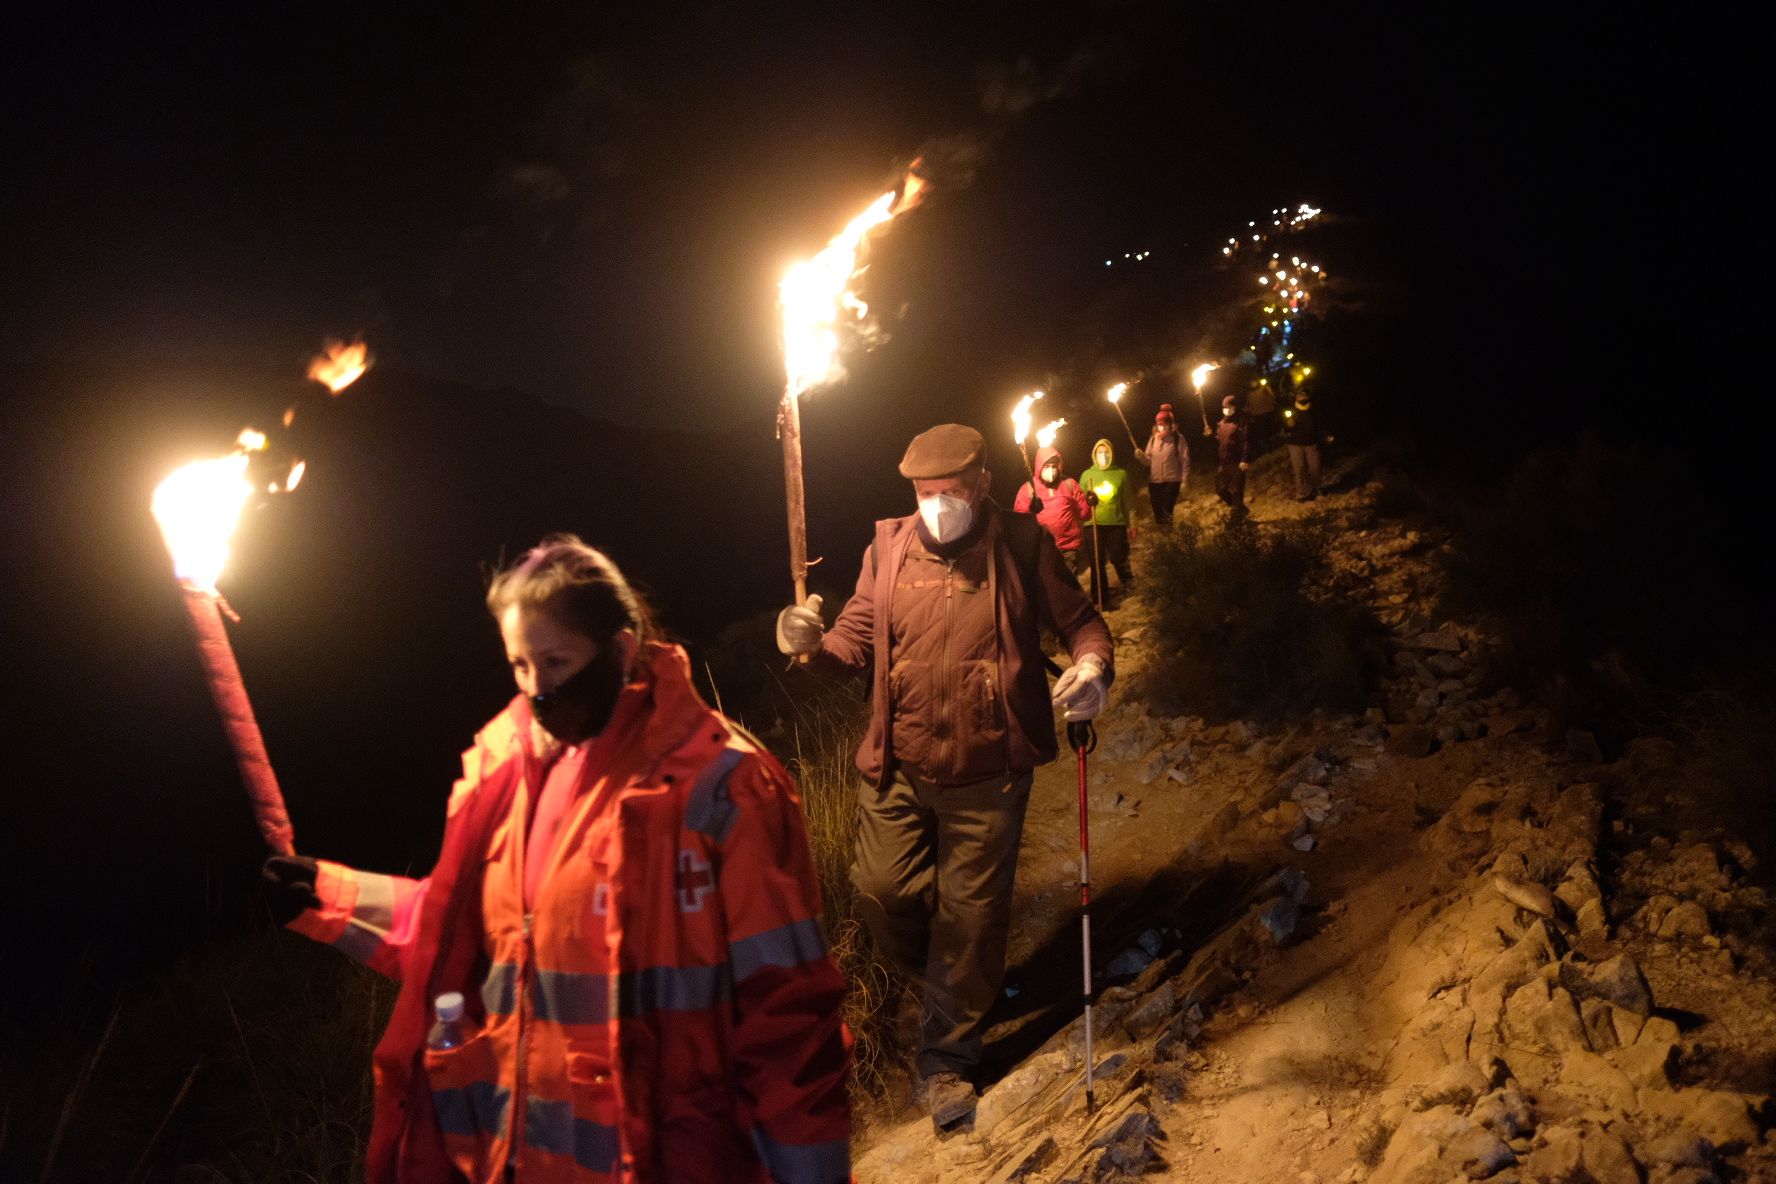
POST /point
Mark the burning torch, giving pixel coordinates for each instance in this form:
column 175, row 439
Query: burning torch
column 1115, row 395
column 197, row 508
column 1020, row 431
column 1199, row 377
column 816, row 301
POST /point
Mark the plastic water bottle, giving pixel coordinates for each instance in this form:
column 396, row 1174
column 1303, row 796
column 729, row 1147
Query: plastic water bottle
column 447, row 1031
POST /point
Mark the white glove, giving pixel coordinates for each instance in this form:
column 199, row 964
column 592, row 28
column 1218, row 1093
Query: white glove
column 1080, row 691
column 799, row 629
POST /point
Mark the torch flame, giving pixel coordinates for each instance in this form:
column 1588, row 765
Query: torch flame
column 1045, row 435
column 1200, row 375
column 815, row 296
column 341, row 365
column 197, row 508
column 252, row 440
column 1020, row 417
column 1118, row 391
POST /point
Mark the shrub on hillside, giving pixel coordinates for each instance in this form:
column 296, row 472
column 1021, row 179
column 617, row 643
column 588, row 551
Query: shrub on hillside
column 1605, row 580
column 1730, row 760
column 1252, row 623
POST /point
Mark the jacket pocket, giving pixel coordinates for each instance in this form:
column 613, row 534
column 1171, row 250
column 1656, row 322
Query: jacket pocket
column 980, row 718
column 472, row 1108
column 592, row 1085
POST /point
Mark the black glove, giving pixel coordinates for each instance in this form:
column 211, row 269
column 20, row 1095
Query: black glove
column 1091, row 499
column 289, row 886
column 1035, row 505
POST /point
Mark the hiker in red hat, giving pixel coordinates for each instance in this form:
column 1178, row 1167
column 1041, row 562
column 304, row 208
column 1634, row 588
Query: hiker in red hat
column 1168, row 462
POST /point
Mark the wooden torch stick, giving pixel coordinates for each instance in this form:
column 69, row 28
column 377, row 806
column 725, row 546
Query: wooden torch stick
column 1120, row 414
column 230, row 694
column 789, row 427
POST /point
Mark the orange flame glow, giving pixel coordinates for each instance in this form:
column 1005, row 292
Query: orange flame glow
column 197, row 508
column 1116, row 392
column 815, row 296
column 1200, row 375
column 1045, row 435
column 341, row 365
column 1020, row 417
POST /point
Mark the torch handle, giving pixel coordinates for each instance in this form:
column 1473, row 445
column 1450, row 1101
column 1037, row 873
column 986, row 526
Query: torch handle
column 790, row 428
column 230, row 694
column 1122, row 415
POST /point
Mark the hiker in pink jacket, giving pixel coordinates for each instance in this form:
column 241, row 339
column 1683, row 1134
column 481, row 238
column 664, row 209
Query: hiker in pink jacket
column 1059, row 504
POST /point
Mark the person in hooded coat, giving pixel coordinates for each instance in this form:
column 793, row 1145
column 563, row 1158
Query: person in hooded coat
column 1105, row 483
column 1060, row 505
column 1168, row 462
column 624, row 913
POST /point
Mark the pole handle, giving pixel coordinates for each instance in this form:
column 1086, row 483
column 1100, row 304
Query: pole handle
column 1082, row 737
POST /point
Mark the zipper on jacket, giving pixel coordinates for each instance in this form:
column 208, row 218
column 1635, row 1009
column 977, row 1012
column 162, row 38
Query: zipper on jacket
column 948, row 667
column 515, row 1121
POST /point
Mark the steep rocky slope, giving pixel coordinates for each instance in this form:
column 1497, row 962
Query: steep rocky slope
column 1420, row 944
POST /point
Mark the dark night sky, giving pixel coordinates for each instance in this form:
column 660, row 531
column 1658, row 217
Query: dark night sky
column 592, row 203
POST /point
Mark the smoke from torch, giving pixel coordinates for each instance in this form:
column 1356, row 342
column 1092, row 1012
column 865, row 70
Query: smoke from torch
column 197, row 508
column 818, row 303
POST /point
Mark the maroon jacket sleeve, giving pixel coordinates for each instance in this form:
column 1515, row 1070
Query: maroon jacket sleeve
column 1068, row 611
column 850, row 645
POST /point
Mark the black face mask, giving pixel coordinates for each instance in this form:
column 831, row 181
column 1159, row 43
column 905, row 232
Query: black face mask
column 581, row 706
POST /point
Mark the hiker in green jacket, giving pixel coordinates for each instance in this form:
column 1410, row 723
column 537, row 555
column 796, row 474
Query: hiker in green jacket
column 1105, row 485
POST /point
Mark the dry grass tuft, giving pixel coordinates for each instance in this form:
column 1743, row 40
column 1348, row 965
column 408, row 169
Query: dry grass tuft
column 824, row 731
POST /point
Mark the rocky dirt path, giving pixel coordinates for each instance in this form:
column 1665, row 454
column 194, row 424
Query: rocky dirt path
column 1409, row 946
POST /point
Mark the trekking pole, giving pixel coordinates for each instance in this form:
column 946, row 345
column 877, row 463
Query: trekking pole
column 1098, row 575
column 1083, row 738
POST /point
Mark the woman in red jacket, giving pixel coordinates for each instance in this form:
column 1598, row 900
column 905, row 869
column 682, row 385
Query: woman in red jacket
column 1059, row 504
column 626, row 906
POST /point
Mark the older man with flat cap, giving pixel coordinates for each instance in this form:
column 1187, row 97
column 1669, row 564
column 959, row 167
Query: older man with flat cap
column 947, row 615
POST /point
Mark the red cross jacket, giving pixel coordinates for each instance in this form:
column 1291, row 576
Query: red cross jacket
column 665, row 1012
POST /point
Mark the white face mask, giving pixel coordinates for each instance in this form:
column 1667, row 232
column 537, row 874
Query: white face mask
column 1102, row 458
column 947, row 518
column 1049, row 474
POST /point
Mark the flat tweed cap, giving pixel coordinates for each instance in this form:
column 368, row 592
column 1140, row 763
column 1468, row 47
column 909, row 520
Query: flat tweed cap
column 941, row 451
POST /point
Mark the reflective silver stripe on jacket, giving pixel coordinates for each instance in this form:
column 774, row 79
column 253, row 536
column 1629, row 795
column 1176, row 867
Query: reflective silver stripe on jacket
column 803, row 1163
column 785, row 946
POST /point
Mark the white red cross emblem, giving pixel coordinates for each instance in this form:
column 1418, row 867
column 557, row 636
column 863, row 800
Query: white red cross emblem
column 695, row 881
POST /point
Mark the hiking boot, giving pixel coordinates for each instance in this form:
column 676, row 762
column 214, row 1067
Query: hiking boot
column 949, row 1098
